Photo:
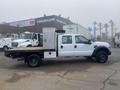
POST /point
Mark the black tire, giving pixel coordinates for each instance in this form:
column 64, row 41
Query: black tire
column 101, row 57
column 5, row 48
column 33, row 60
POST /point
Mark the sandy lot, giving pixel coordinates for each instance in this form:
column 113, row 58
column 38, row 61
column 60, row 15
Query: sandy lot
column 74, row 74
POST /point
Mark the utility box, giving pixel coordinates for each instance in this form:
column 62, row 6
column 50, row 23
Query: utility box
column 49, row 38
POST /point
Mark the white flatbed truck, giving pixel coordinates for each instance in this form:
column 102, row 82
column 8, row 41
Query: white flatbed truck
column 61, row 45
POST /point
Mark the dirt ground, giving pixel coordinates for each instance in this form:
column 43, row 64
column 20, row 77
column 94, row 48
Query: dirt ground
column 74, row 74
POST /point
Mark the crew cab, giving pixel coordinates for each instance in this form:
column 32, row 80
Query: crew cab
column 61, row 45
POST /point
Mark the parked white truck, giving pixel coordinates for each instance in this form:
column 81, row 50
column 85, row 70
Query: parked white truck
column 5, row 42
column 28, row 39
column 58, row 44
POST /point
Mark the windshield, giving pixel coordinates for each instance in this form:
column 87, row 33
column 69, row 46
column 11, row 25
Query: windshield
column 80, row 39
column 26, row 36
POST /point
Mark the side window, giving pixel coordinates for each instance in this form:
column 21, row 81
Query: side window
column 80, row 39
column 67, row 40
column 35, row 36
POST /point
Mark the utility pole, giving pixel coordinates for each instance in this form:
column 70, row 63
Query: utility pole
column 90, row 29
column 100, row 28
column 77, row 28
column 95, row 30
column 112, row 31
column 112, row 28
column 106, row 30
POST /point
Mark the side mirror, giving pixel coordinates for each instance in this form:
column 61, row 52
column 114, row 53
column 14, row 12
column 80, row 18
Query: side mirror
column 89, row 42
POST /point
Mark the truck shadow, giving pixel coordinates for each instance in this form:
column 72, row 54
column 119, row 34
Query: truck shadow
column 53, row 66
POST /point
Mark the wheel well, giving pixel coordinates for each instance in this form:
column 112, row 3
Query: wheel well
column 106, row 50
column 29, row 45
column 5, row 46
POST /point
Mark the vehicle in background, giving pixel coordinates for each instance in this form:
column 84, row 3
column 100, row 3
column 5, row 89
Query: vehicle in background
column 5, row 42
column 117, row 40
column 56, row 43
column 28, row 39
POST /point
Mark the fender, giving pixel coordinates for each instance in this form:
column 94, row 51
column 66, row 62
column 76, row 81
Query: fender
column 101, row 48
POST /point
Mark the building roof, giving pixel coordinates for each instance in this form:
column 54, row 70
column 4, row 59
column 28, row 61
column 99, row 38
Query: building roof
column 54, row 18
column 37, row 24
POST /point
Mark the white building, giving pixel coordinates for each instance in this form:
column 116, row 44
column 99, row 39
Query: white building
column 77, row 29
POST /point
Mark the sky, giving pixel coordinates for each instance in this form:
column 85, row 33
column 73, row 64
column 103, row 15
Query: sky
column 83, row 12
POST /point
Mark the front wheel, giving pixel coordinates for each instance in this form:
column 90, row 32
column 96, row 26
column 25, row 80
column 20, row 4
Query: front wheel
column 101, row 57
column 33, row 60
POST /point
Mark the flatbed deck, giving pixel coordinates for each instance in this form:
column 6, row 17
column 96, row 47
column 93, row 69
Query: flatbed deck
column 28, row 49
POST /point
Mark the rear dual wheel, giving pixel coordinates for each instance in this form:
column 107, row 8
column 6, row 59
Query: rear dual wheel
column 33, row 60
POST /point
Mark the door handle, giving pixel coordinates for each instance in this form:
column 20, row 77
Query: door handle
column 61, row 46
column 75, row 46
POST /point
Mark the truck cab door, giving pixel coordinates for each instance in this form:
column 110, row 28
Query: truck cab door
column 40, row 39
column 35, row 40
column 65, row 45
column 82, row 46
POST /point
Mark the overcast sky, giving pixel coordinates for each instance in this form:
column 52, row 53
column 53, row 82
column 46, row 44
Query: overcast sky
column 83, row 12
